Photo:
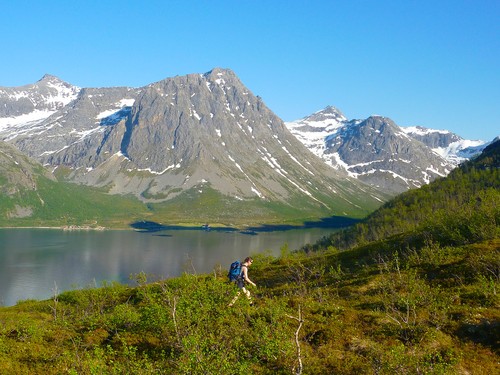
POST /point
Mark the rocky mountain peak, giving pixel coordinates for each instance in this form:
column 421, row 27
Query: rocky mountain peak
column 326, row 116
column 30, row 104
column 218, row 72
column 49, row 78
column 313, row 130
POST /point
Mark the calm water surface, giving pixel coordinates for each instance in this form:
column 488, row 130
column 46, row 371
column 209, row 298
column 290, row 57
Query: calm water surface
column 36, row 262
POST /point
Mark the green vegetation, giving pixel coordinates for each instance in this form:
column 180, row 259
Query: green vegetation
column 432, row 310
column 415, row 291
column 61, row 204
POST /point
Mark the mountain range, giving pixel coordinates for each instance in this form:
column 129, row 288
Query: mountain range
column 183, row 138
column 379, row 152
column 207, row 137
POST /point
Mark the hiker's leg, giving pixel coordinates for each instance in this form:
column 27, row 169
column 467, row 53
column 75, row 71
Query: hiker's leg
column 247, row 293
column 235, row 298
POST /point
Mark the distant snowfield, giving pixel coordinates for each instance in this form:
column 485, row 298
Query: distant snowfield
column 423, row 131
column 455, row 152
column 455, row 147
column 21, row 121
column 60, row 95
column 118, row 107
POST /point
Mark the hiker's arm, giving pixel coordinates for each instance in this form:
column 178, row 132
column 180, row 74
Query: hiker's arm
column 245, row 276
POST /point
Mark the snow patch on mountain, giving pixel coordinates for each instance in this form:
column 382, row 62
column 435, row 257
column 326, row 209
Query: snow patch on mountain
column 459, row 151
column 118, row 107
column 27, row 106
column 9, row 123
column 448, row 145
column 313, row 130
column 422, row 131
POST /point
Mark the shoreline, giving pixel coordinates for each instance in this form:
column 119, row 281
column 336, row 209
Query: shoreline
column 152, row 226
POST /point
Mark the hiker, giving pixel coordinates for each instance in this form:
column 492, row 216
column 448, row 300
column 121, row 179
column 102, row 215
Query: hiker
column 242, row 280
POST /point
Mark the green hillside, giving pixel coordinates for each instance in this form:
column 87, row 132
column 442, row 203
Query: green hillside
column 31, row 196
column 432, row 310
column 63, row 204
column 210, row 206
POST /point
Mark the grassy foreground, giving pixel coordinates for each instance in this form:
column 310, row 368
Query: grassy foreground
column 427, row 310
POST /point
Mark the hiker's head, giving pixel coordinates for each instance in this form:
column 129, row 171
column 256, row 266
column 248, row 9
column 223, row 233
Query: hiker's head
column 248, row 260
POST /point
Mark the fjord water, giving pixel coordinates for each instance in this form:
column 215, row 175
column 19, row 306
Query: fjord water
column 36, row 263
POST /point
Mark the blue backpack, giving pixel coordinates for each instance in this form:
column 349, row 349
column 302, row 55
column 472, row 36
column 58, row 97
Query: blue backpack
column 234, row 271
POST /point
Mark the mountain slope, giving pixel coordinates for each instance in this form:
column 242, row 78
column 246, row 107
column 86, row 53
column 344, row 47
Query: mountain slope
column 19, row 177
column 31, row 196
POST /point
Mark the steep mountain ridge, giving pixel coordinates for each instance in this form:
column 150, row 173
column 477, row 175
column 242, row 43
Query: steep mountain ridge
column 379, row 152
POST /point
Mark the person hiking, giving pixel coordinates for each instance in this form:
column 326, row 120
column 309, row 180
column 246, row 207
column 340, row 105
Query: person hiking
column 243, row 280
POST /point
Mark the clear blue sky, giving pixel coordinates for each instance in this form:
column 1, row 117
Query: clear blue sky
column 434, row 63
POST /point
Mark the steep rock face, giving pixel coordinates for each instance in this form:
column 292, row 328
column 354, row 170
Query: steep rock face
column 209, row 129
column 187, row 133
